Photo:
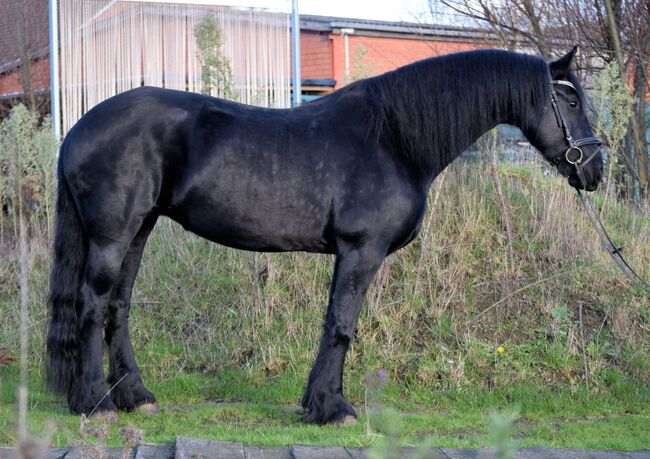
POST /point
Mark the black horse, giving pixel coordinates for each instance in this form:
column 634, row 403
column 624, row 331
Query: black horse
column 347, row 174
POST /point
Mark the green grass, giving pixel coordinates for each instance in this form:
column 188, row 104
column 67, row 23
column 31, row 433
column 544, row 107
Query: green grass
column 231, row 406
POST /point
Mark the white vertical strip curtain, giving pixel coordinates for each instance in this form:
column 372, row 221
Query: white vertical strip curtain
column 111, row 46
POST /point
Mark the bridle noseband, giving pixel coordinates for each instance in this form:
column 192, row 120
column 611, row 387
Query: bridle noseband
column 573, row 155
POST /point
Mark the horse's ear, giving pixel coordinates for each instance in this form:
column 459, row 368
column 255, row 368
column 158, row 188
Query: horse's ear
column 560, row 68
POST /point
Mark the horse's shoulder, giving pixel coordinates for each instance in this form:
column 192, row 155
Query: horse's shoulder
column 215, row 112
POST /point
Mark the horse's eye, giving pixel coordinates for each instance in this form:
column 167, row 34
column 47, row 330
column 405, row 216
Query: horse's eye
column 573, row 103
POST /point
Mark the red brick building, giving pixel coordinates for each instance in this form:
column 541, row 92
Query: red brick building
column 24, row 29
column 335, row 51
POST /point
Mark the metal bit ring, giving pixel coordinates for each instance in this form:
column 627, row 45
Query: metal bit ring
column 577, row 160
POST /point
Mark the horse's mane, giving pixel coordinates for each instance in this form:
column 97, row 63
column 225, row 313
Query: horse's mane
column 433, row 109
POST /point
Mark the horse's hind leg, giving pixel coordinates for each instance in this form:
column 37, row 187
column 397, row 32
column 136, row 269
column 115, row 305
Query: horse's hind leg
column 128, row 392
column 88, row 394
column 355, row 267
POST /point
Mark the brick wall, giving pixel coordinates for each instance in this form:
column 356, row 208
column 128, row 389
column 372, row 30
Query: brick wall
column 386, row 53
column 12, row 82
column 315, row 55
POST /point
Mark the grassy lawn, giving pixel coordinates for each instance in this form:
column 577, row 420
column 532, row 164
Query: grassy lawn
column 234, row 407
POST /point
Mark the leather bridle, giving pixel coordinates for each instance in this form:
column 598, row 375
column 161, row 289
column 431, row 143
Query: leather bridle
column 575, row 157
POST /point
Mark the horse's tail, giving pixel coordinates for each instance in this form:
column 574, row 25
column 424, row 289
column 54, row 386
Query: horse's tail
column 69, row 258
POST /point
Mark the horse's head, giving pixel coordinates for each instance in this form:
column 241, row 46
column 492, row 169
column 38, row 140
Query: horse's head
column 564, row 134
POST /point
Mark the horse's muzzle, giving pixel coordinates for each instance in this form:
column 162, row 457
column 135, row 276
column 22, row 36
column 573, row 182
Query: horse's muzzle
column 592, row 177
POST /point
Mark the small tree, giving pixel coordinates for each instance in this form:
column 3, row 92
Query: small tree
column 27, row 165
column 613, row 105
column 361, row 67
column 216, row 71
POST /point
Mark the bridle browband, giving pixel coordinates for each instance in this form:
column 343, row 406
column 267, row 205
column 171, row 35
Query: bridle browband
column 574, row 156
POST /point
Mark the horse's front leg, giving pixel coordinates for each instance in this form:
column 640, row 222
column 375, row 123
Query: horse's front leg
column 356, row 265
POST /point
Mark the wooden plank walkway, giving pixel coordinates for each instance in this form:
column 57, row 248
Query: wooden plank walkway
column 194, row 448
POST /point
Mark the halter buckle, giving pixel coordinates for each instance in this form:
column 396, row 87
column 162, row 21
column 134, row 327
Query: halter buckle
column 578, row 159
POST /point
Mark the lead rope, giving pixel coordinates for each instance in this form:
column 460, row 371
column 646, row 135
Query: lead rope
column 596, row 222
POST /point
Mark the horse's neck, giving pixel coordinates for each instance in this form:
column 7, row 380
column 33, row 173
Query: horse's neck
column 488, row 116
column 471, row 132
column 438, row 108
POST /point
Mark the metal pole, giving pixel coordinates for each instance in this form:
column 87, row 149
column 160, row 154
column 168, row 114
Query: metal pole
column 295, row 53
column 347, row 58
column 54, row 68
column 346, row 33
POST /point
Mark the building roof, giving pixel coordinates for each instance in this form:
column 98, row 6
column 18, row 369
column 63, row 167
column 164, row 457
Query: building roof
column 26, row 16
column 395, row 29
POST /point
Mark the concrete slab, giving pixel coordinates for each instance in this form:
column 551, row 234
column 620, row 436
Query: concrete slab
column 155, row 452
column 94, row 452
column 8, row 453
column 467, row 453
column 637, row 454
column 319, row 452
column 356, row 453
column 194, row 448
column 277, row 452
column 53, row 453
column 569, row 453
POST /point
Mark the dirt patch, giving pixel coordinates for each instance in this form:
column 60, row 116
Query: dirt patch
column 6, row 358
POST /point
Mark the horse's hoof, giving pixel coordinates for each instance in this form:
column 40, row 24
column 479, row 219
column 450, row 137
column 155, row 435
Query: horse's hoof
column 349, row 420
column 105, row 415
column 149, row 408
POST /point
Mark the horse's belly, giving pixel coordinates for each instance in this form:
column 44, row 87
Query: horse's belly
column 258, row 224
